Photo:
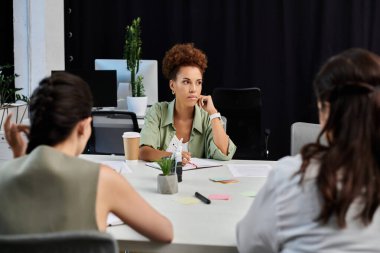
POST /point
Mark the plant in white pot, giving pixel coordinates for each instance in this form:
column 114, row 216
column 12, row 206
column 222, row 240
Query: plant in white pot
column 167, row 182
column 132, row 54
column 8, row 94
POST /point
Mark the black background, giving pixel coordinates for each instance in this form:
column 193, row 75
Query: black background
column 6, row 32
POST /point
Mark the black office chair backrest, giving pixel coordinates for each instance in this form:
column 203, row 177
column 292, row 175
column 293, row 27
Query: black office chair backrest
column 59, row 242
column 107, row 130
column 242, row 108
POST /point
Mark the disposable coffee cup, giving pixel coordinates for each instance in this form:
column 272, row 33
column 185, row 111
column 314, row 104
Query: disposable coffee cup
column 131, row 142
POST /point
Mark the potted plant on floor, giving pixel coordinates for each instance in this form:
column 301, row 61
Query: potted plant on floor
column 132, row 54
column 167, row 182
column 9, row 95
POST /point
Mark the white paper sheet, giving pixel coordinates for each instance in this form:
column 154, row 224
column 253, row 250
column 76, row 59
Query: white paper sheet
column 113, row 220
column 249, row 170
column 120, row 167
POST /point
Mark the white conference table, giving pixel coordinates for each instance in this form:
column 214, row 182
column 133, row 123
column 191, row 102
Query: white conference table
column 197, row 227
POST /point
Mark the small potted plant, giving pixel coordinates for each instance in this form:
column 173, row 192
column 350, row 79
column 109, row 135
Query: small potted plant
column 132, row 54
column 167, row 182
column 8, row 95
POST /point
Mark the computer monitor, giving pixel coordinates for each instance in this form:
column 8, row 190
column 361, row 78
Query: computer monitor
column 102, row 84
column 147, row 69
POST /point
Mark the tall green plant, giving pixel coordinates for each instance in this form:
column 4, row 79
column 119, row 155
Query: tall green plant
column 132, row 54
column 7, row 92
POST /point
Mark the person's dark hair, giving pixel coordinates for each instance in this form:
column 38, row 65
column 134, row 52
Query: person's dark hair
column 56, row 106
column 350, row 163
column 182, row 55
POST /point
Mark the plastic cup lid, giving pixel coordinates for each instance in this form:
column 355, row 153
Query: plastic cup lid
column 131, row 135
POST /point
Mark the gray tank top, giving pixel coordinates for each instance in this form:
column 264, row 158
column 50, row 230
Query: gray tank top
column 47, row 191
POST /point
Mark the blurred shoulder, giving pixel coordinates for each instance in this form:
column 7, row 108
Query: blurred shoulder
column 109, row 179
column 160, row 105
column 289, row 164
column 285, row 171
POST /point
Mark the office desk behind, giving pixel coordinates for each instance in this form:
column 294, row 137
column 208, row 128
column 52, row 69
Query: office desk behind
column 197, row 227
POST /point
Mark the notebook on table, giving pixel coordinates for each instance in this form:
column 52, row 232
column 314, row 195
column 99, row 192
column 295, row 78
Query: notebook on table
column 195, row 163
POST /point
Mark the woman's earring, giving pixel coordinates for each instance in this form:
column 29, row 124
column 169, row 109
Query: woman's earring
column 173, row 92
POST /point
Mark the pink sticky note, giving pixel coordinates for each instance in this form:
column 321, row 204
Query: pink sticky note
column 219, row 196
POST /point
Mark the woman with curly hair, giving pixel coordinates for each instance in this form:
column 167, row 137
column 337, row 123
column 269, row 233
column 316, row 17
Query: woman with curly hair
column 327, row 199
column 191, row 119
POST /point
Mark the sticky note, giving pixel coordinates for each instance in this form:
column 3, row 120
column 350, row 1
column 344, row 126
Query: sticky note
column 219, row 197
column 250, row 194
column 220, row 178
column 224, row 180
column 188, row 201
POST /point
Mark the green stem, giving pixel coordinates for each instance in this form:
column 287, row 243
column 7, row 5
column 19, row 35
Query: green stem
column 133, row 83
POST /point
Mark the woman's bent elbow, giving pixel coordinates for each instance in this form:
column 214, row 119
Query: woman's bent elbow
column 166, row 235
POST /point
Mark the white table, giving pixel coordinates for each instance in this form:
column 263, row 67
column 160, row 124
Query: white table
column 198, row 227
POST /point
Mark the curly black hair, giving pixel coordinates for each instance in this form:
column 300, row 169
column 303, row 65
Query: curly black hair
column 182, row 55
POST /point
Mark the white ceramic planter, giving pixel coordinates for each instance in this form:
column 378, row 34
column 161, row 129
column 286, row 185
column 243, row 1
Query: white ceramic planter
column 137, row 105
column 167, row 184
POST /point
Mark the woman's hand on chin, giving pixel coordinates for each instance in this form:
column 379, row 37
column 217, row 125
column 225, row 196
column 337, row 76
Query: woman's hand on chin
column 205, row 102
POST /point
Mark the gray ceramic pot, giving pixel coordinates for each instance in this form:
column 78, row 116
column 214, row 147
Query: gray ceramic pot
column 167, row 184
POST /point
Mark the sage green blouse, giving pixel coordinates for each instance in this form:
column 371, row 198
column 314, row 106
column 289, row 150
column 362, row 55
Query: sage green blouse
column 47, row 191
column 159, row 130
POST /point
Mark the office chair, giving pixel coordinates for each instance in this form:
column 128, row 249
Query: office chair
column 224, row 121
column 242, row 108
column 59, row 242
column 107, row 130
column 303, row 133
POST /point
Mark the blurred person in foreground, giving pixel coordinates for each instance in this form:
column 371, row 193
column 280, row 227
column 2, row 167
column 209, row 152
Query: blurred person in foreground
column 327, row 198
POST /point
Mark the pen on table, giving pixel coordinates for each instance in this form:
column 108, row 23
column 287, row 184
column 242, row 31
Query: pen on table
column 202, row 198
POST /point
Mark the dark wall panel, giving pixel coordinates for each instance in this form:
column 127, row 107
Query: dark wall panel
column 6, row 38
column 6, row 31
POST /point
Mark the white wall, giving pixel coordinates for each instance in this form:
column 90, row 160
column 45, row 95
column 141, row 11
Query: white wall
column 38, row 47
column 55, row 35
column 38, row 40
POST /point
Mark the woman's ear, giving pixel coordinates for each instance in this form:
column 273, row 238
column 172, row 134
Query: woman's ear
column 83, row 133
column 171, row 85
column 84, row 125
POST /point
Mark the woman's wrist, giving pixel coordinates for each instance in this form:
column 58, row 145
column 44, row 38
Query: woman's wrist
column 211, row 112
column 17, row 152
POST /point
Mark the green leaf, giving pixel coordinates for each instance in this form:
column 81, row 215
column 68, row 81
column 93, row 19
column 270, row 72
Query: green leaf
column 166, row 164
column 7, row 91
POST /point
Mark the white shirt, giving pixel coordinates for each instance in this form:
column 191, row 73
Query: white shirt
column 282, row 218
column 174, row 144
